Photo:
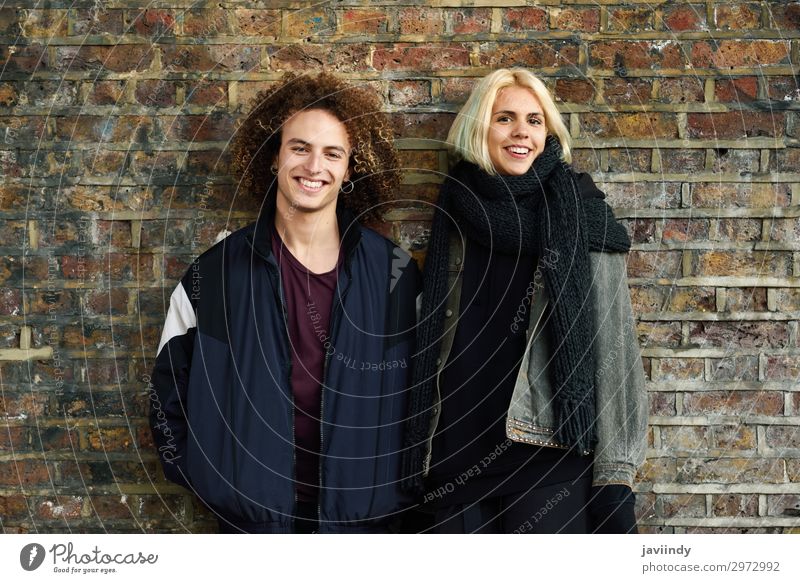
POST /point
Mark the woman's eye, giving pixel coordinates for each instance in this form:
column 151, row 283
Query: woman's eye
column 535, row 121
column 503, row 119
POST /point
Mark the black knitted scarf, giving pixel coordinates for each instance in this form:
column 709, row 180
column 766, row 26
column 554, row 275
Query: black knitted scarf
column 540, row 213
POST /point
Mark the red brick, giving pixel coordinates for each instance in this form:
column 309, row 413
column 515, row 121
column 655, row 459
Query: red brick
column 367, row 22
column 409, row 93
column 783, row 89
column 781, row 367
column 785, row 15
column 726, row 54
column 524, row 19
column 422, row 125
column 471, row 20
column 739, row 90
column 530, row 54
column 111, row 302
column 682, row 160
column 25, row 473
column 735, row 124
column 619, row 55
column 347, row 58
column 735, row 505
column 106, row 93
column 204, row 92
column 23, row 59
column 119, row 58
column 170, row 506
column 60, row 508
column 630, row 19
column 682, row 230
column 746, row 299
column 14, row 507
column 738, row 230
column 309, row 22
column 576, row 19
column 628, row 160
column 104, row 372
column 628, row 92
column 197, row 128
column 685, row 18
column 587, row 160
column 12, row 439
column 681, row 90
column 734, row 368
column 86, row 128
column 116, row 266
column 744, row 195
column 110, row 507
column 737, row 16
column 212, row 22
column 16, row 129
column 208, row 162
column 151, row 23
column 574, row 91
column 23, row 405
column 661, row 404
column 629, row 125
column 640, row 230
column 642, row 195
column 733, row 403
column 742, row 264
column 149, row 164
column 156, row 92
column 428, row 21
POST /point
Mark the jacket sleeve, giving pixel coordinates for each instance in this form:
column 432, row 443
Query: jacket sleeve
column 168, row 413
column 621, row 402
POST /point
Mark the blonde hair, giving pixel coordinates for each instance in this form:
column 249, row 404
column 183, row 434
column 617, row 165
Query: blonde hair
column 468, row 136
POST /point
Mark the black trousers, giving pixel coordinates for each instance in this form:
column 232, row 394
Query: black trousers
column 556, row 508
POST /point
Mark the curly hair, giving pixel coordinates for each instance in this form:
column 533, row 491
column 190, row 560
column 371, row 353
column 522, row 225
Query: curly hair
column 374, row 165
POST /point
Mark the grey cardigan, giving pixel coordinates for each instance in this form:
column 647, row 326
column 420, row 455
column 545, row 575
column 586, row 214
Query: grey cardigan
column 621, row 398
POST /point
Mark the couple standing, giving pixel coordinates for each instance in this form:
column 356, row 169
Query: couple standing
column 302, row 384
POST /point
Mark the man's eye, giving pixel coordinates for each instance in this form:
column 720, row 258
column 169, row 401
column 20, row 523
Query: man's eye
column 300, row 149
column 334, row 155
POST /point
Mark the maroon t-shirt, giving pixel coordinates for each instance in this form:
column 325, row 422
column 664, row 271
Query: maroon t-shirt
column 309, row 298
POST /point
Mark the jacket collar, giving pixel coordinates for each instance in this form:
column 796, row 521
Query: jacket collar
column 260, row 235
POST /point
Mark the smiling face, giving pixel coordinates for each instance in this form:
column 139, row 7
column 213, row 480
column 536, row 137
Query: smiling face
column 517, row 130
column 312, row 162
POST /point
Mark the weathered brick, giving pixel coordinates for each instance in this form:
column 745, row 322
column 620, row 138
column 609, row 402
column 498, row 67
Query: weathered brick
column 109, row 438
column 23, row 405
column 736, row 16
column 657, row 470
column 162, row 506
column 683, row 230
column 23, row 59
column 409, row 93
column 662, row 404
column 574, row 91
column 524, row 19
column 698, row 439
column 14, row 506
column 529, row 54
column 679, row 369
column 683, row 505
column 156, row 93
column 629, row 125
column 737, row 263
column 197, row 128
column 640, row 230
column 659, row 334
column 119, row 59
column 681, row 90
column 783, row 89
column 586, row 160
column 112, row 302
column 151, row 23
column 623, row 55
column 734, row 368
column 783, row 505
column 735, row 124
column 364, row 21
column 44, row 23
column 309, row 22
column 728, row 471
column 726, row 54
column 110, row 507
column 210, row 22
column 682, row 160
column 785, row 15
column 685, row 17
column 422, row 125
column 470, row 20
column 793, row 470
column 733, row 403
column 738, row 230
column 736, row 161
column 575, row 19
column 785, row 230
column 25, row 473
column 782, row 436
column 59, row 508
column 106, row 93
column 728, row 195
column 625, row 19
column 739, row 90
column 627, row 91
column 457, row 90
column 348, row 58
column 781, row 367
column 735, row 505
column 216, row 58
column 787, row 299
column 654, row 264
column 419, row 160
column 93, row 21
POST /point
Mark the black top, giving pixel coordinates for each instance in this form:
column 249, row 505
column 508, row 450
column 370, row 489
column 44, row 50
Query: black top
column 477, row 385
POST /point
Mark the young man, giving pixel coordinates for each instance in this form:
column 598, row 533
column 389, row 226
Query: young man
column 281, row 376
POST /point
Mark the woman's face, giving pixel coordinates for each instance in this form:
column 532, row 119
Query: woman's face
column 313, row 161
column 517, row 130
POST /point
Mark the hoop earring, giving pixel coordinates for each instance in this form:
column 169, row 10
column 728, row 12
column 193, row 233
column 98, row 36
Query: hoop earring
column 274, row 169
column 347, row 186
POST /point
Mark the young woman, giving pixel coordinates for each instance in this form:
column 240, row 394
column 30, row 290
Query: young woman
column 527, row 411
column 280, row 384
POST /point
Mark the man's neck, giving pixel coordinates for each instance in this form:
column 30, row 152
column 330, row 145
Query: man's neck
column 312, row 238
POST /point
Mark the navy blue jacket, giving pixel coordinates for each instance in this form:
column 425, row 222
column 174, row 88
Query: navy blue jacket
column 221, row 399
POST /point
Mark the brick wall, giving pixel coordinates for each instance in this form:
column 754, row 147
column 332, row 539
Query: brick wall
column 115, row 116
